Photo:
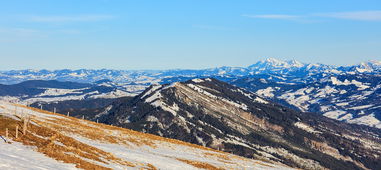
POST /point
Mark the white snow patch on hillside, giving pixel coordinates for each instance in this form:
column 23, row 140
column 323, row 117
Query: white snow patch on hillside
column 361, row 107
column 163, row 157
column 325, row 108
column 246, row 94
column 105, row 112
column 343, row 91
column 10, row 99
column 298, row 99
column 260, row 100
column 78, row 75
column 134, row 89
column 267, row 92
column 197, row 80
column 153, row 97
column 59, row 92
column 202, row 91
column 334, row 114
column 16, row 156
column 112, row 94
column 346, row 82
column 63, row 98
column 342, row 104
column 346, row 117
column 369, row 120
column 328, row 90
column 155, row 100
column 305, row 127
column 153, row 88
column 172, row 109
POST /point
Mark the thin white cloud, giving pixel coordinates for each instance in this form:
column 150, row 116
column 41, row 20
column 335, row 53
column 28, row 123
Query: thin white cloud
column 354, row 15
column 79, row 18
column 274, row 16
column 357, row 15
column 18, row 31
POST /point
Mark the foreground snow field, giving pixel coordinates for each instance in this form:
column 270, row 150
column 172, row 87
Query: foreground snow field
column 19, row 157
column 54, row 141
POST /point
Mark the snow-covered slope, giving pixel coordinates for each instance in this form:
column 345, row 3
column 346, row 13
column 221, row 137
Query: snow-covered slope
column 49, row 91
column 54, row 141
column 345, row 97
column 215, row 114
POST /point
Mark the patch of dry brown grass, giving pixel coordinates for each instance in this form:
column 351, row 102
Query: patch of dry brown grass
column 93, row 130
column 198, row 164
column 219, row 155
column 60, row 147
column 115, row 135
column 151, row 167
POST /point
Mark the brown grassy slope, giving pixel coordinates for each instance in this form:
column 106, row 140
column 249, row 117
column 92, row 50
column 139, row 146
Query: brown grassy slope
column 49, row 136
column 60, row 147
column 91, row 130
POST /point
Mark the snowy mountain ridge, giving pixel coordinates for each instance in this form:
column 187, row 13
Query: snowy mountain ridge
column 340, row 92
column 349, row 98
column 32, row 91
column 218, row 115
column 267, row 66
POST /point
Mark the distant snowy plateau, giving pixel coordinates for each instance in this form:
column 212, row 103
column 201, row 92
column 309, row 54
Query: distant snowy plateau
column 347, row 93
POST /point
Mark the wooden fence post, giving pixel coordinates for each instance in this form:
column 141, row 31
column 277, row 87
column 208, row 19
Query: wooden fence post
column 24, row 126
column 17, row 131
column 68, row 114
column 83, row 117
column 54, row 110
column 6, row 133
column 97, row 120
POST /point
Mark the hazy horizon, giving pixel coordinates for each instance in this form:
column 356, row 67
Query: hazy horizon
column 181, row 68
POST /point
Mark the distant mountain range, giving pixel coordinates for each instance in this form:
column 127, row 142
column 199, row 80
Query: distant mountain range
column 269, row 66
column 346, row 93
column 48, row 91
column 346, row 97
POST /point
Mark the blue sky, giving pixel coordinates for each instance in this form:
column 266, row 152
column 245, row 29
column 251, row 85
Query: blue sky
column 168, row 34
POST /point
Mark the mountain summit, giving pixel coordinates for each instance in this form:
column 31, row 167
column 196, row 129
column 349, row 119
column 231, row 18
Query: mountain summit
column 215, row 114
column 275, row 63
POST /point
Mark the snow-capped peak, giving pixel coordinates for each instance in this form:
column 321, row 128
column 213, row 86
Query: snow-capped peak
column 295, row 63
column 275, row 65
column 368, row 66
column 272, row 62
column 375, row 62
